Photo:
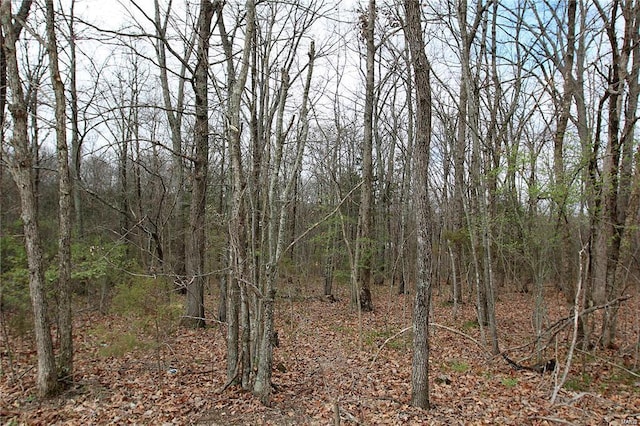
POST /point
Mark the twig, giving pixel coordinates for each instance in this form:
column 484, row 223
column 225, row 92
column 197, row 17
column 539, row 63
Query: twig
column 321, row 221
column 562, row 323
column 350, row 416
column 375, row 357
column 231, row 381
column 576, row 323
column 553, row 419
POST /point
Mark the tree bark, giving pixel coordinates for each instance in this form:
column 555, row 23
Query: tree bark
column 76, row 141
column 22, row 172
column 277, row 230
column 421, row 69
column 195, row 253
column 365, row 247
column 65, row 208
column 236, row 359
column 174, row 114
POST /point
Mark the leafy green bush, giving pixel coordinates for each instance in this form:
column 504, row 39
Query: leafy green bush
column 12, row 254
column 145, row 297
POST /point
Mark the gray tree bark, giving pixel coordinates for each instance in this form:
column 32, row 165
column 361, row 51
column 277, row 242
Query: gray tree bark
column 421, row 70
column 365, row 248
column 65, row 207
column 237, row 359
column 195, row 252
column 22, row 172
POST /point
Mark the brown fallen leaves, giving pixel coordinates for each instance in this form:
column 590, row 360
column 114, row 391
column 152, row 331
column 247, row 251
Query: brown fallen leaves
column 324, row 374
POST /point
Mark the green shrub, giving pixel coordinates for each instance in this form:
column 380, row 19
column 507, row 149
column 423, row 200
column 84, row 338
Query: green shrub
column 471, row 324
column 12, row 254
column 145, row 297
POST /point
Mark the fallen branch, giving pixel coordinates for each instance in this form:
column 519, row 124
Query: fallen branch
column 460, row 333
column 375, row 357
column 552, row 419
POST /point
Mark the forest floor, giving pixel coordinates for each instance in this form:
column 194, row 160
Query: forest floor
column 330, row 363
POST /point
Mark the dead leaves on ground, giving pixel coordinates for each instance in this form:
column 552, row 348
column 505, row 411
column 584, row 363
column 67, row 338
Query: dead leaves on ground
column 326, row 369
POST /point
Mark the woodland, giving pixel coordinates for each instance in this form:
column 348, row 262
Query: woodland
column 319, row 212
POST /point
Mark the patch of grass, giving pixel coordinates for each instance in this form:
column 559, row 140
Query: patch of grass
column 120, row 344
column 342, row 329
column 459, row 366
column 116, row 343
column 471, row 324
column 616, row 381
column 625, row 378
column 579, row 384
column 509, row 382
column 151, row 313
column 376, row 338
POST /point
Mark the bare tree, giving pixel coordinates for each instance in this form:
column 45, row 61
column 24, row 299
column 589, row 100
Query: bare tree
column 174, row 111
column 195, row 253
column 364, row 247
column 238, row 361
column 65, row 207
column 617, row 168
column 22, row 171
column 421, row 70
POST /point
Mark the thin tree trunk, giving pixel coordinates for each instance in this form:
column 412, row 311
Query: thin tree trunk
column 365, row 248
column 237, row 232
column 76, row 142
column 174, row 115
column 421, row 69
column 65, row 326
column 195, row 253
column 277, row 231
column 628, row 53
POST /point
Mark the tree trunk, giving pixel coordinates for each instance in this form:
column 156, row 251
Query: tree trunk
column 174, row 113
column 195, row 253
column 421, row 69
column 22, row 173
column 239, row 276
column 76, row 141
column 277, row 221
column 616, row 199
column 365, row 234
column 63, row 291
